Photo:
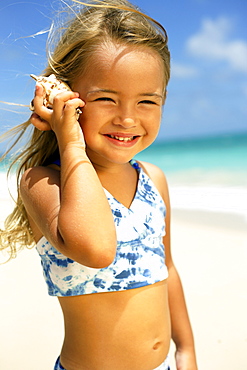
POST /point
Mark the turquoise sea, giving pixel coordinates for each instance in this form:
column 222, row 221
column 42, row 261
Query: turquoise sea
column 207, row 174
column 218, row 160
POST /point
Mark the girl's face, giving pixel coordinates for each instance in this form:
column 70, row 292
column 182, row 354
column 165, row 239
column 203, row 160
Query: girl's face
column 123, row 88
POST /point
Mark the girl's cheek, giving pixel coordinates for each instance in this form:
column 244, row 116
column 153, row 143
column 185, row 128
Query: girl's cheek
column 81, row 121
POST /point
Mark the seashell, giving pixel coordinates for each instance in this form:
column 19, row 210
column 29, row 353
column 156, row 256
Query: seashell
column 52, row 86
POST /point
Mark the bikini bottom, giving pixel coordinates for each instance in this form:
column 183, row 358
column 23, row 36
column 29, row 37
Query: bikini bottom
column 163, row 366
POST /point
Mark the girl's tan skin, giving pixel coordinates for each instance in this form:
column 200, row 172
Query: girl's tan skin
column 121, row 94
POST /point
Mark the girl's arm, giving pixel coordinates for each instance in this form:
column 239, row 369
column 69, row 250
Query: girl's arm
column 181, row 329
column 69, row 207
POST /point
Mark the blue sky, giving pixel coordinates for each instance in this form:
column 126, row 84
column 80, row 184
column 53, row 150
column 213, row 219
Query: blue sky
column 207, row 94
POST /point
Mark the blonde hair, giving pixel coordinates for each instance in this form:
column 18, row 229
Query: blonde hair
column 92, row 23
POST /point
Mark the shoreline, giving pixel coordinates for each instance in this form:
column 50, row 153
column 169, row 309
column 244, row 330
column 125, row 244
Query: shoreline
column 215, row 219
column 220, row 198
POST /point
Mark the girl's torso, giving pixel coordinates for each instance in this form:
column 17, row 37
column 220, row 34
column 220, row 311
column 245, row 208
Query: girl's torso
column 125, row 329
column 116, row 331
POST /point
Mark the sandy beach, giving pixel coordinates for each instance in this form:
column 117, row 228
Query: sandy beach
column 210, row 251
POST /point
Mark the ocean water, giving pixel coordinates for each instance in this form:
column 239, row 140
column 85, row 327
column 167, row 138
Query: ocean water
column 207, row 174
column 217, row 160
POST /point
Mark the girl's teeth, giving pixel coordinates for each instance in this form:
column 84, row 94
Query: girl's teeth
column 121, row 138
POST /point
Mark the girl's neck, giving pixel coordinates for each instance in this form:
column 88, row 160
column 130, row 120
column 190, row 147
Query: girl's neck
column 121, row 181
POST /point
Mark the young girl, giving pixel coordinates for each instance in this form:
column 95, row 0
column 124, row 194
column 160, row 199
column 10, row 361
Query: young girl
column 100, row 219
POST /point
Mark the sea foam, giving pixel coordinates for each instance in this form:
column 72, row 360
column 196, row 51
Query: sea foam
column 226, row 199
column 231, row 200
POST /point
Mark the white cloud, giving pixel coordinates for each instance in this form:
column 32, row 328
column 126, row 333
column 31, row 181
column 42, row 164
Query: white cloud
column 183, row 71
column 213, row 42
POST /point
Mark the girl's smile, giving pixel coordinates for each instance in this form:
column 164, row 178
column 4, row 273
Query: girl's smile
column 123, row 88
column 122, row 139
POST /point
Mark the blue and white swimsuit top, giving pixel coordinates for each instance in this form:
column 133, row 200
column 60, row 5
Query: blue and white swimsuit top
column 140, row 254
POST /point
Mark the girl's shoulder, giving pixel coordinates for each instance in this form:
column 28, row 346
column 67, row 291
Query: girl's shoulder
column 38, row 184
column 40, row 194
column 36, row 174
column 157, row 176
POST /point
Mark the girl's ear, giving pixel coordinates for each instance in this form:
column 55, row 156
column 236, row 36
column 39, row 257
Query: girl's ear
column 39, row 123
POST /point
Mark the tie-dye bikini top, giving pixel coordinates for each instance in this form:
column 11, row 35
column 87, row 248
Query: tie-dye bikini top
column 140, row 254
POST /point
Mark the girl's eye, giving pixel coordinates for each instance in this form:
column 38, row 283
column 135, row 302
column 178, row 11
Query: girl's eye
column 104, row 99
column 148, row 102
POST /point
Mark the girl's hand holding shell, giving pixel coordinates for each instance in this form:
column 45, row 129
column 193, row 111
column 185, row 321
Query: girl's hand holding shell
column 51, row 87
column 56, row 108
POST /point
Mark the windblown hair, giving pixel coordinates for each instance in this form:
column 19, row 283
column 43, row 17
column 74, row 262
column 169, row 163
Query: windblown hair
column 69, row 47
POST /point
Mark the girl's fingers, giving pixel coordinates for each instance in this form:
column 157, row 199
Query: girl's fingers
column 64, row 112
column 72, row 107
column 65, row 118
column 37, row 103
column 39, row 123
column 58, row 103
column 70, row 99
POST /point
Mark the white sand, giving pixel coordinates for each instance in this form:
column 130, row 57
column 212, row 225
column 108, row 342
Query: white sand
column 210, row 251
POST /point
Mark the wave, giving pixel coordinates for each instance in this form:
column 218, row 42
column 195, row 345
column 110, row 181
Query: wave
column 230, row 199
column 7, row 187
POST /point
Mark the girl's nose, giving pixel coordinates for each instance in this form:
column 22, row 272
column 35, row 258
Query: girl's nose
column 126, row 118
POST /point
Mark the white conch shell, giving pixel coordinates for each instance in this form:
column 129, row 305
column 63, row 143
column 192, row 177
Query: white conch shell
column 52, row 86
